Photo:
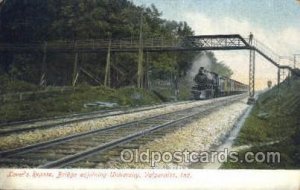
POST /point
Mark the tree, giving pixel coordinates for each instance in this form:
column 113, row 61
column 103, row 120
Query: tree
column 219, row 67
column 24, row 21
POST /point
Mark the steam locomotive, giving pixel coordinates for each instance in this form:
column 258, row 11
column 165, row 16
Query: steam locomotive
column 210, row 85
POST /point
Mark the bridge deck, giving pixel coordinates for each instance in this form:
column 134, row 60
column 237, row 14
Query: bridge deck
column 190, row 43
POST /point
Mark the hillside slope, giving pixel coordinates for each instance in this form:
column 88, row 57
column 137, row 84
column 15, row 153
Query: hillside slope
column 273, row 125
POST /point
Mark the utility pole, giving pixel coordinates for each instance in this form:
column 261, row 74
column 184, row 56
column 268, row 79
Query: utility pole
column 295, row 61
column 288, row 58
column 251, row 99
column 140, row 73
column 175, row 81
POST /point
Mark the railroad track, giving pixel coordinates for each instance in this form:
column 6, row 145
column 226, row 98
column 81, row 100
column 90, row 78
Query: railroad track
column 31, row 125
column 101, row 158
column 44, row 119
column 65, row 151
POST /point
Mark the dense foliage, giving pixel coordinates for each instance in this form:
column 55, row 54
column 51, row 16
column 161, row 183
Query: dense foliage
column 219, row 67
column 24, row 21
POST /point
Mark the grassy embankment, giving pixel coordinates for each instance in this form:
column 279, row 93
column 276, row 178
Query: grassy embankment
column 274, row 118
column 54, row 104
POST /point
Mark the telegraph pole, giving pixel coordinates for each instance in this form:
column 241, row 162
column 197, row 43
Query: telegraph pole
column 295, row 61
column 251, row 99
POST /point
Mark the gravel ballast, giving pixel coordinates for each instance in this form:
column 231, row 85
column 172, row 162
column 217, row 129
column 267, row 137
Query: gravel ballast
column 40, row 135
column 199, row 135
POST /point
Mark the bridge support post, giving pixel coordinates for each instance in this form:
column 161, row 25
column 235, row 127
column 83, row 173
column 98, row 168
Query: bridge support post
column 140, row 74
column 251, row 99
column 44, row 66
column 278, row 79
column 75, row 70
column 146, row 75
column 75, row 66
column 108, row 66
column 140, row 71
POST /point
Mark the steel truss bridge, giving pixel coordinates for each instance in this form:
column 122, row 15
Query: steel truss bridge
column 190, row 43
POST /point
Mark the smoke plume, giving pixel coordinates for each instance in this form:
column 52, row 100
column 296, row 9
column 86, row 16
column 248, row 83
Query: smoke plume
column 202, row 60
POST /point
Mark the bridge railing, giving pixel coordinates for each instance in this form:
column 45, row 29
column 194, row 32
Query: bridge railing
column 266, row 50
column 212, row 42
column 121, row 43
column 218, row 41
column 95, row 44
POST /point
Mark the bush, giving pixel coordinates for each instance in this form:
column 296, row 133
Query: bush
column 13, row 86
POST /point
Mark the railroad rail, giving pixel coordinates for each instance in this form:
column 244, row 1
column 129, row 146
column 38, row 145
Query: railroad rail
column 26, row 126
column 70, row 149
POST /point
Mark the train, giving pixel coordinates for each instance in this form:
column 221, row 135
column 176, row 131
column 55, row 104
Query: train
column 211, row 85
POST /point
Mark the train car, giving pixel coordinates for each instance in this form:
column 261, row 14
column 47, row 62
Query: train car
column 222, row 86
column 210, row 85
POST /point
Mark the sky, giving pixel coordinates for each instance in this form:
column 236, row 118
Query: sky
column 275, row 23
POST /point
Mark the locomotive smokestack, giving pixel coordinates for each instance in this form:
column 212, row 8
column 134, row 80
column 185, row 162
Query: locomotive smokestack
column 201, row 61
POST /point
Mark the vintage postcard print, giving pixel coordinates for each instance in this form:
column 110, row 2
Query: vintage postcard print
column 155, row 94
